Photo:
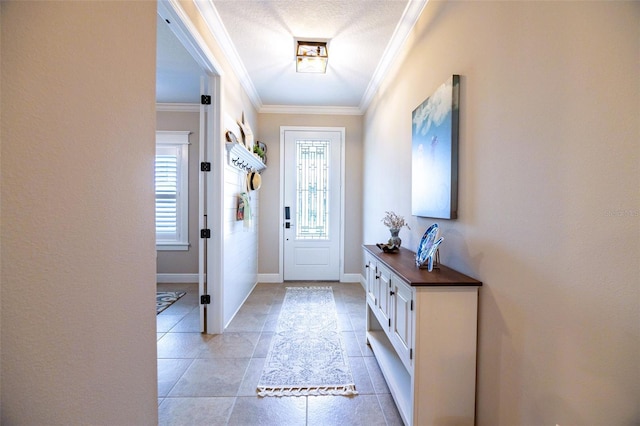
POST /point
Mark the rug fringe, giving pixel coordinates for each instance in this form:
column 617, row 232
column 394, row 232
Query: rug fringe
column 311, row 288
column 346, row 390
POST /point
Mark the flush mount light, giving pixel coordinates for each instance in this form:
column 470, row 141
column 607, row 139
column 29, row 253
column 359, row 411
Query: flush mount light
column 311, row 56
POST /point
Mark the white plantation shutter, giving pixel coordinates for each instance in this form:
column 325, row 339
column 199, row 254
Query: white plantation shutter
column 172, row 205
column 166, row 192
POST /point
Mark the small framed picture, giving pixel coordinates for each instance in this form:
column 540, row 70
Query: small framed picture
column 240, row 208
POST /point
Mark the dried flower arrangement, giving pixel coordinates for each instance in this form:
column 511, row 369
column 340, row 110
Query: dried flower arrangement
column 393, row 221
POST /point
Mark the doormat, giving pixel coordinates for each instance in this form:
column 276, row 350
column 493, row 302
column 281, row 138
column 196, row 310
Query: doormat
column 164, row 299
column 307, row 355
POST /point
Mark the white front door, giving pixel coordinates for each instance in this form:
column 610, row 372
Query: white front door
column 312, row 210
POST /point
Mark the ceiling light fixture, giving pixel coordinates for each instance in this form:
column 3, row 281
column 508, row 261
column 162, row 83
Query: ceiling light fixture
column 311, row 56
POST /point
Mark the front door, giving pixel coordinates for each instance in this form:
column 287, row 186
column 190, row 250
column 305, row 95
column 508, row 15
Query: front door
column 312, row 197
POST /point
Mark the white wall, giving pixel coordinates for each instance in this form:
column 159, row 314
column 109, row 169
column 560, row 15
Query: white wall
column 77, row 229
column 240, row 243
column 549, row 196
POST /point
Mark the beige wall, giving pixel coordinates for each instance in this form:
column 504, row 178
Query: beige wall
column 549, row 204
column 77, row 230
column 269, row 133
column 184, row 262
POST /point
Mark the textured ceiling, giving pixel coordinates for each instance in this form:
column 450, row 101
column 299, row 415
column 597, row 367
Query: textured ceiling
column 263, row 34
column 259, row 37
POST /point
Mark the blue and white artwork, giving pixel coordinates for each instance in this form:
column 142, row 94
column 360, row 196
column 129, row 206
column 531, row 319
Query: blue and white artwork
column 434, row 132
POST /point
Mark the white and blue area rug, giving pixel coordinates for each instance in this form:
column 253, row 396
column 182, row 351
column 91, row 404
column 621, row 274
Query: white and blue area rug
column 307, row 355
column 164, row 299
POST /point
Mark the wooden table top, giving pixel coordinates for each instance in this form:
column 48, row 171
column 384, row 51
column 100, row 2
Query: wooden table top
column 403, row 264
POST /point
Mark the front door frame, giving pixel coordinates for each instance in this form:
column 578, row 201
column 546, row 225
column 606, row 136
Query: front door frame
column 342, row 132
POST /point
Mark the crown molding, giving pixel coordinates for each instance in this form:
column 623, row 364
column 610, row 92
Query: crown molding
column 177, row 107
column 269, row 109
column 407, row 22
column 217, row 28
column 319, row 110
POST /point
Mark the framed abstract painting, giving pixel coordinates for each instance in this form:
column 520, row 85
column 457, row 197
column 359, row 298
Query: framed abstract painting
column 434, row 153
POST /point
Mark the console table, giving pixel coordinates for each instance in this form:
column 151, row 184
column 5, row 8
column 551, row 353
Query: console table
column 422, row 328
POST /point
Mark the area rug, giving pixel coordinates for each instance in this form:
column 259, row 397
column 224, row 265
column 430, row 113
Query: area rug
column 307, row 355
column 164, row 299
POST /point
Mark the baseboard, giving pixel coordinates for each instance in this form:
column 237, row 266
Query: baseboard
column 351, row 278
column 177, row 278
column 363, row 283
column 277, row 278
column 269, row 278
column 241, row 305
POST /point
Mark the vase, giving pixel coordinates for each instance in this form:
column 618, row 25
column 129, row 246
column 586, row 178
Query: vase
column 395, row 239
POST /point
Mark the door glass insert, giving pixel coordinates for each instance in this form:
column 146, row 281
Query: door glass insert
column 312, row 189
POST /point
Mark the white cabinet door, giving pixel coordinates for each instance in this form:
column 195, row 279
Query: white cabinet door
column 384, row 299
column 370, row 278
column 402, row 320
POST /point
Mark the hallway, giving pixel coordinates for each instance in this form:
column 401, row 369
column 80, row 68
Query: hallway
column 211, row 379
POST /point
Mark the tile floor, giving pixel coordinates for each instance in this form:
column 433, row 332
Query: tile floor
column 211, row 379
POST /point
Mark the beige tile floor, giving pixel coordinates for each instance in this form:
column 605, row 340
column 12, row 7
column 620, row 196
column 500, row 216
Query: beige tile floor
column 211, row 379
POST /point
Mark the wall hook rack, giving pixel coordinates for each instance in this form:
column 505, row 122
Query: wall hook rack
column 239, row 157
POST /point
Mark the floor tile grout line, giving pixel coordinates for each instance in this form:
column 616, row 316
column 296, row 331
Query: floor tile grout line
column 346, row 298
column 181, row 376
column 233, row 406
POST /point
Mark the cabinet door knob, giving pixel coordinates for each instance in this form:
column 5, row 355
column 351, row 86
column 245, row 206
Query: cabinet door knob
column 391, row 293
column 377, row 276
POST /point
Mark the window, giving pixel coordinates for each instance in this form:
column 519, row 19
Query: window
column 312, row 189
column 172, row 190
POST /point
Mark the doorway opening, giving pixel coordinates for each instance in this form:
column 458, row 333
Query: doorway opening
column 206, row 79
